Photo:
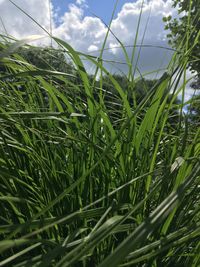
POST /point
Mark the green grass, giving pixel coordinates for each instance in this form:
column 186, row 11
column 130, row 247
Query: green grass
column 86, row 184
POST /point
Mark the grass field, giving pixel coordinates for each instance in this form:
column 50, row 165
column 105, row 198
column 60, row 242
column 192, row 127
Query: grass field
column 83, row 184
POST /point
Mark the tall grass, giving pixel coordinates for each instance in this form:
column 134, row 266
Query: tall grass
column 86, row 184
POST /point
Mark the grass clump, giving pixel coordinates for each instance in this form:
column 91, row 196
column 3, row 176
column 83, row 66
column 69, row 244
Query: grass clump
column 95, row 177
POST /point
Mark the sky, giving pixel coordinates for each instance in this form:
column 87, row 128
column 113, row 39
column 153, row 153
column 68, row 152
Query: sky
column 81, row 24
column 101, row 8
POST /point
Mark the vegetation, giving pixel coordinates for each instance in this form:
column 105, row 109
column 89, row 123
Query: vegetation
column 94, row 173
column 185, row 35
column 46, row 58
column 187, row 25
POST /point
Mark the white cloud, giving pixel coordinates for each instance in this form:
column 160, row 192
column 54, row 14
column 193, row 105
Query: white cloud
column 18, row 24
column 80, row 2
column 92, row 48
column 81, row 32
column 86, row 33
column 125, row 25
column 114, row 47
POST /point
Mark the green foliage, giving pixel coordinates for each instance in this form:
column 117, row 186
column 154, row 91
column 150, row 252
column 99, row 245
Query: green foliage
column 194, row 109
column 78, row 191
column 45, row 58
column 92, row 173
column 186, row 30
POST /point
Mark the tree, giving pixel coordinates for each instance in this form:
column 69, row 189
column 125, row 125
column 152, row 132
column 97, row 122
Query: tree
column 46, row 58
column 194, row 109
column 187, row 25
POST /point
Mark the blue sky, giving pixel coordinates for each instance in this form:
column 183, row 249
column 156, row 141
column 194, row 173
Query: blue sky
column 101, row 8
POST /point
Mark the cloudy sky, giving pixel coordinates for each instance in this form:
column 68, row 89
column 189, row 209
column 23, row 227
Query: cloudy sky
column 81, row 24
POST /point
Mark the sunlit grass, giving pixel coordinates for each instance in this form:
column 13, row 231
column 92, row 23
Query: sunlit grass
column 88, row 179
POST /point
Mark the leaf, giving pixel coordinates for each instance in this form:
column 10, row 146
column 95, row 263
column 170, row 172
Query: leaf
column 177, row 163
column 13, row 47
